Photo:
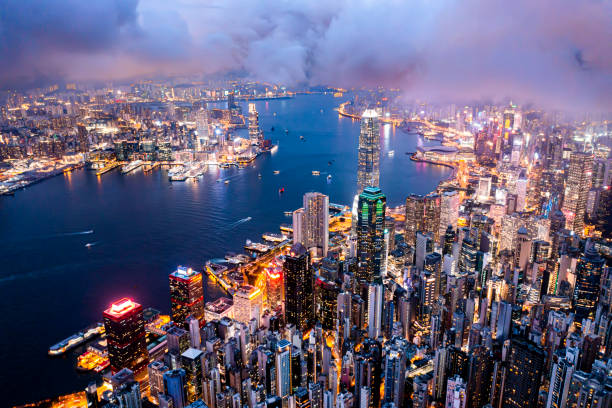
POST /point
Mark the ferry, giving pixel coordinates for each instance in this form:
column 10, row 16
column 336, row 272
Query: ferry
column 76, row 339
column 329, row 177
column 131, row 166
column 276, row 171
column 274, row 149
column 316, row 172
column 289, row 213
column 272, row 237
column 226, row 181
column 391, row 153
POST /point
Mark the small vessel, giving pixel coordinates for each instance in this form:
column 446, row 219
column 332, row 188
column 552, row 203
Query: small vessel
column 289, row 213
column 276, row 171
column 286, row 131
column 281, row 190
column 226, row 181
column 274, row 149
column 391, row 153
column 316, row 172
column 259, row 175
column 329, row 177
column 329, row 163
column 89, row 244
column 272, row 129
column 301, row 137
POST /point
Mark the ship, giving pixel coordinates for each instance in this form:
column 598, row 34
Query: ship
column 276, row 171
column 391, row 153
column 329, row 177
column 76, row 339
column 316, row 172
column 289, row 213
column 131, row 166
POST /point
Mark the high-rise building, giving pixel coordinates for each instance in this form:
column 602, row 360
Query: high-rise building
column 298, row 226
column 186, row 295
column 156, row 377
column 449, row 212
column 560, row 379
column 525, row 369
column 298, row 278
column 203, row 134
column 368, row 170
column 375, row 308
column 255, row 134
column 424, row 246
column 283, row 369
column 128, row 395
column 395, row 374
column 370, row 233
column 316, row 222
column 589, row 270
column 191, row 362
column 175, row 387
column 456, row 393
column 91, row 395
column 125, row 334
column 577, row 187
column 480, row 369
column 248, row 303
column 415, row 209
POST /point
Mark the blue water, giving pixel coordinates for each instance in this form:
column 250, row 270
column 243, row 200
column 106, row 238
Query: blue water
column 142, row 226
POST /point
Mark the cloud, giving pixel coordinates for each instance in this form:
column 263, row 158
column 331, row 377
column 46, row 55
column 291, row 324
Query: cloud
column 552, row 52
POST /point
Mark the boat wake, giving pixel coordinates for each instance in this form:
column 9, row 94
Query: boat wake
column 67, row 234
column 90, row 244
column 240, row 221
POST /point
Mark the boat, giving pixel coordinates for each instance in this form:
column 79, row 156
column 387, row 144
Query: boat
column 329, row 177
column 316, row 173
column 289, row 213
column 89, row 244
column 301, row 137
column 259, row 175
column 274, row 149
column 226, row 181
column 276, row 171
column 76, row 339
column 272, row 129
column 286, row 131
column 391, row 153
column 281, row 190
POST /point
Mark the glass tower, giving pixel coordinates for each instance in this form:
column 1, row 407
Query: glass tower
column 368, row 170
column 370, row 233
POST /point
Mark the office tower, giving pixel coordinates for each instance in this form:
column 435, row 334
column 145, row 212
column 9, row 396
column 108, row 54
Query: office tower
column 91, row 395
column 521, row 193
column 449, row 240
column 449, row 213
column 395, row 373
column 248, row 303
column 424, row 246
column 301, row 398
column 431, row 216
column 156, row 377
column 274, row 287
column 283, row 368
column 231, row 101
column 368, row 371
column 560, row 379
column 194, row 332
column 125, row 335
column 375, row 308
column 121, row 377
column 480, row 370
column 468, row 256
column 175, row 387
column 316, row 222
column 186, row 295
column 178, row 340
column 433, row 265
column 525, row 369
column 255, row 133
column 415, row 210
column 370, row 233
column 191, row 362
column 82, row 142
column 589, row 351
column 326, row 303
column 298, row 288
column 203, row 134
column 589, row 270
column 484, row 188
column 315, row 393
column 456, row 393
column 368, row 170
column 299, row 226
column 577, row 187
column 128, row 395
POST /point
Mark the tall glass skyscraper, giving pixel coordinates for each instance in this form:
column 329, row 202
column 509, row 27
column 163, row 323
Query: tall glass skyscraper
column 186, row 295
column 370, row 233
column 125, row 334
column 368, row 170
column 298, row 288
column 576, row 189
column 588, row 279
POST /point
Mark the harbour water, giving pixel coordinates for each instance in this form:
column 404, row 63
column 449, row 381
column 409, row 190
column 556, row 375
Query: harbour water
column 139, row 227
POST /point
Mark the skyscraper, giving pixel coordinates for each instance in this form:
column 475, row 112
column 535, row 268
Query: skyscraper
column 368, row 170
column 415, row 208
column 255, row 134
column 175, row 387
column 125, row 335
column 526, row 365
column 186, row 295
column 588, row 278
column 248, row 303
column 283, row 368
column 449, row 212
column 298, row 226
column 370, row 233
column 577, row 187
column 191, row 362
column 298, row 288
column 316, row 222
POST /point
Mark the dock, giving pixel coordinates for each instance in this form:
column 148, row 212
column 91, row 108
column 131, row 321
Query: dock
column 108, row 167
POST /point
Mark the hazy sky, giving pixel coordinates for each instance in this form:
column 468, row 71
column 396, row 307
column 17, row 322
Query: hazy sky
column 554, row 52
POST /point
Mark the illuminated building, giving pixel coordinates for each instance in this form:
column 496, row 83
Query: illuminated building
column 191, row 362
column 316, row 222
column 480, row 369
column 298, row 226
column 484, row 188
column 298, row 278
column 523, row 378
column 395, row 373
column 577, row 187
column 456, row 393
column 424, row 246
column 589, row 270
column 415, row 208
column 125, row 335
column 283, row 369
column 560, row 378
column 203, row 135
column 255, row 133
column 431, row 216
column 91, row 395
column 301, row 398
column 433, row 265
column 449, row 240
column 128, row 395
column 370, row 233
column 274, row 287
column 175, row 387
column 156, row 377
column 186, row 295
column 248, row 303
column 368, row 170
column 375, row 308
column 449, row 212
column 326, row 304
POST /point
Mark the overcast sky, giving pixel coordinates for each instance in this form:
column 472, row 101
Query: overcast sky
column 557, row 53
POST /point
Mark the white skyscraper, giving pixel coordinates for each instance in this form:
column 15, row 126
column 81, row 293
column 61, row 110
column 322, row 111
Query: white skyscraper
column 203, row 136
column 298, row 226
column 375, row 309
column 248, row 303
column 484, row 188
column 449, row 212
column 316, row 222
column 283, row 369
